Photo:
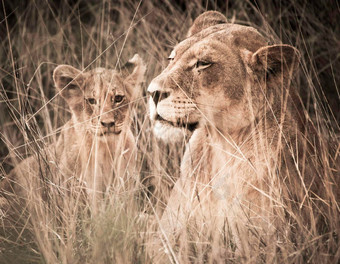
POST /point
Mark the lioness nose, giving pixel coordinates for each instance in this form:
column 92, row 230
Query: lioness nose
column 108, row 124
column 158, row 96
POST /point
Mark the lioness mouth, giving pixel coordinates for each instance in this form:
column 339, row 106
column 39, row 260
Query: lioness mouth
column 190, row 126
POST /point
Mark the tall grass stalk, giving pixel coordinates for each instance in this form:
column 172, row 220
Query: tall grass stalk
column 38, row 35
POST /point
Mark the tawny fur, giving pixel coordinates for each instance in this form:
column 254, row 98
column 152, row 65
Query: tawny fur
column 248, row 172
column 96, row 148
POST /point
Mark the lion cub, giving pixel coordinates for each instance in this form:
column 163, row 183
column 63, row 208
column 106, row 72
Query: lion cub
column 96, row 145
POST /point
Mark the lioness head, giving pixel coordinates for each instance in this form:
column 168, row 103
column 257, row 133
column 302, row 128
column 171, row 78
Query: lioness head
column 222, row 75
column 99, row 99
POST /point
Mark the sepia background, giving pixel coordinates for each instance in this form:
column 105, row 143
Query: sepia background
column 38, row 35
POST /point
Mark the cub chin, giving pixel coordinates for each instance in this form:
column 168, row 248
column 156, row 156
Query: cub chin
column 96, row 148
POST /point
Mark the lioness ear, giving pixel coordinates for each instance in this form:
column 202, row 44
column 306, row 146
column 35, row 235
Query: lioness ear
column 276, row 60
column 69, row 82
column 133, row 73
column 205, row 20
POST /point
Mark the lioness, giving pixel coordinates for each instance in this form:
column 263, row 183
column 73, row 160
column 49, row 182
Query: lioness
column 96, row 145
column 249, row 175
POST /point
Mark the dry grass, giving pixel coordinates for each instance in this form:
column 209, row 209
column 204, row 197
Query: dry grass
column 38, row 35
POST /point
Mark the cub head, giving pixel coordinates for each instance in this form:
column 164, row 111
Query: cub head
column 100, row 99
column 222, row 75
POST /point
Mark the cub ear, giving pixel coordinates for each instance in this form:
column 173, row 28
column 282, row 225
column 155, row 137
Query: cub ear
column 205, row 20
column 133, row 73
column 69, row 82
column 276, row 60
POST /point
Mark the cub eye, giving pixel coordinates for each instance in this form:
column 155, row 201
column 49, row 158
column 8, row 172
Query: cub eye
column 91, row 100
column 119, row 98
column 202, row 64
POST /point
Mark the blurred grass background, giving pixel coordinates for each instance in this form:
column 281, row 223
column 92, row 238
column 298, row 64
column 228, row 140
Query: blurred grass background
column 38, row 35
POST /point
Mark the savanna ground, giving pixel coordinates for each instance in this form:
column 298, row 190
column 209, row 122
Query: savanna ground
column 38, row 35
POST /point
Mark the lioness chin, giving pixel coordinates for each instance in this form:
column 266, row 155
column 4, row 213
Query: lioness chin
column 250, row 181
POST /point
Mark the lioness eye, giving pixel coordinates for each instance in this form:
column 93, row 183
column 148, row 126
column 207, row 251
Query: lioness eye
column 91, row 101
column 118, row 98
column 202, row 64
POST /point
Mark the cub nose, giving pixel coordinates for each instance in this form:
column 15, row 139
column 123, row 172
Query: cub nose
column 107, row 124
column 158, row 96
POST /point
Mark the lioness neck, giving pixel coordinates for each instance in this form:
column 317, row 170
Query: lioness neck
column 250, row 145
